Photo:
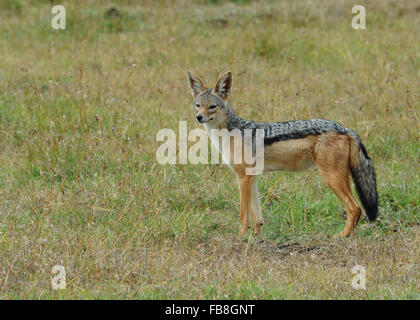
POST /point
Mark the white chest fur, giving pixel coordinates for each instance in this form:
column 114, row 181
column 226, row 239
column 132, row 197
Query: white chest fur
column 220, row 139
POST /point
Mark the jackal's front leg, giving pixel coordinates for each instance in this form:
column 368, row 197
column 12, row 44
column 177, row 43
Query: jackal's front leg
column 257, row 218
column 245, row 188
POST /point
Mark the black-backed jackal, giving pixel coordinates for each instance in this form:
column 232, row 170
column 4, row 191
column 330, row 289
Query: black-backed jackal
column 337, row 151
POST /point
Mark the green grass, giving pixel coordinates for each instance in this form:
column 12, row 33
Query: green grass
column 79, row 181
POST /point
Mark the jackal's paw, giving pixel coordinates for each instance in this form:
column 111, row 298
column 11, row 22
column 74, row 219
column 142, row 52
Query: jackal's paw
column 257, row 228
column 242, row 230
column 344, row 233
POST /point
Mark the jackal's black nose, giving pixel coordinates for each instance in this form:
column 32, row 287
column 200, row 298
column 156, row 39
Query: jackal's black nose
column 199, row 118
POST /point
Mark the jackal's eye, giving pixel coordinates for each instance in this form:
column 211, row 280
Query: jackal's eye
column 212, row 107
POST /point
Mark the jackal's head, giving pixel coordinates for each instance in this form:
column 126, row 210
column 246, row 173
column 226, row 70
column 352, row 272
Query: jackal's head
column 211, row 104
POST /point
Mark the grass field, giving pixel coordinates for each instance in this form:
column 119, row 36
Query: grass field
column 79, row 181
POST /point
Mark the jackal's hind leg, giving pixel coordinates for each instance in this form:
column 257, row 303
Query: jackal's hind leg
column 332, row 156
column 341, row 187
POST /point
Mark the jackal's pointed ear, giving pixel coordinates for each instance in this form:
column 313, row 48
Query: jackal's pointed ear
column 223, row 85
column 196, row 85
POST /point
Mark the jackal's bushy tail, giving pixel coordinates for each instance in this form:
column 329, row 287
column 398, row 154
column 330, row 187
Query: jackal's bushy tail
column 364, row 176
